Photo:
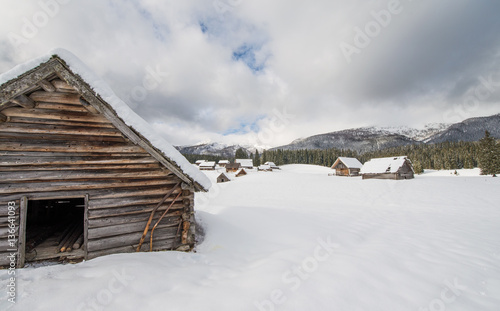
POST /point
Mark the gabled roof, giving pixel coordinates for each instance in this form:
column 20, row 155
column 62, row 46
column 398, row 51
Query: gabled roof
column 245, row 162
column 348, row 162
column 207, row 164
column 271, row 164
column 100, row 98
column 384, row 165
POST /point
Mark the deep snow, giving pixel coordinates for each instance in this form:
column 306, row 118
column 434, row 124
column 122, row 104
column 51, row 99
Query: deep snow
column 298, row 239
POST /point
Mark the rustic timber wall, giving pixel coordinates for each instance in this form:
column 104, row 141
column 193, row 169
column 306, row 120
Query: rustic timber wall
column 53, row 144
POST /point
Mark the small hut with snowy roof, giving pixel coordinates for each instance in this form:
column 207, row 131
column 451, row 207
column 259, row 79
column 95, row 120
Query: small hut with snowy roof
column 388, row 168
column 82, row 175
column 347, row 166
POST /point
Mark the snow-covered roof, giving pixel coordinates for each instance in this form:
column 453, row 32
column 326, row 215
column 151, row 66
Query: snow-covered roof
column 350, row 162
column 245, row 162
column 207, row 164
column 223, row 161
column 264, row 167
column 383, row 165
column 120, row 108
column 271, row 164
column 200, row 161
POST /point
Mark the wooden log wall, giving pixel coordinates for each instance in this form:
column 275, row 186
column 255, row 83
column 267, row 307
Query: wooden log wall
column 54, row 146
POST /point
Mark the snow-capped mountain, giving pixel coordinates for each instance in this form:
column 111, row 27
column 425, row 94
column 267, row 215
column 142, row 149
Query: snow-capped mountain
column 360, row 140
column 216, row 149
column 372, row 138
column 468, row 130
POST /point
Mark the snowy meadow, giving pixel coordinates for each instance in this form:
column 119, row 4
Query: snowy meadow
column 298, row 239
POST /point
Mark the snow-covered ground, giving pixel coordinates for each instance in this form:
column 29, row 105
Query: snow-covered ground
column 298, row 239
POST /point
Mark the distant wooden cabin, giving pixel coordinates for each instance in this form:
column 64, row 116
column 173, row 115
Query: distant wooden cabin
column 272, row 165
column 388, row 168
column 223, row 178
column 245, row 163
column 232, row 167
column 265, row 168
column 79, row 174
column 347, row 166
column 223, row 163
column 207, row 166
column 241, row 172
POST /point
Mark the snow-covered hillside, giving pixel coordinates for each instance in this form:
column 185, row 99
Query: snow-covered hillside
column 298, row 239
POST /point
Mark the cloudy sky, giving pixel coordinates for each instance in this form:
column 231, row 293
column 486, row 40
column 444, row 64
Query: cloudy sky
column 264, row 73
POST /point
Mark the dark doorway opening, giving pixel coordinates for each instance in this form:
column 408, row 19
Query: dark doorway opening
column 54, row 229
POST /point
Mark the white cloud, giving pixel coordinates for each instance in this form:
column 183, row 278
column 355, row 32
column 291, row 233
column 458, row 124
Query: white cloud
column 424, row 63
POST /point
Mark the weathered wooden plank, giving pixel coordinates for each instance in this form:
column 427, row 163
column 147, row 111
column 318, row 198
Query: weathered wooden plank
column 130, row 201
column 41, row 154
column 35, row 187
column 79, row 167
column 21, row 137
column 128, row 239
column 13, row 161
column 83, row 175
column 70, row 147
column 55, row 97
column 27, row 128
column 23, row 101
column 160, row 245
column 88, row 106
column 62, row 86
column 86, row 228
column 115, row 230
column 4, row 220
column 141, row 218
column 3, row 118
column 54, row 115
column 95, row 193
column 60, row 122
column 46, row 86
column 131, row 210
column 21, row 246
column 59, row 106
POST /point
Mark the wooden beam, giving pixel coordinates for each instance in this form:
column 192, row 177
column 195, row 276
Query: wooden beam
column 3, row 118
column 46, row 85
column 86, row 228
column 56, row 97
column 62, row 86
column 88, row 106
column 21, row 245
column 24, row 101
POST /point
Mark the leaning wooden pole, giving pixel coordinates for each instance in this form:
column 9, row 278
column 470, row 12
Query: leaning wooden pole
column 152, row 215
column 156, row 224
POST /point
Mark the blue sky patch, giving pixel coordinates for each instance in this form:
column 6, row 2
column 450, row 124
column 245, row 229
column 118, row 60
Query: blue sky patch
column 246, row 54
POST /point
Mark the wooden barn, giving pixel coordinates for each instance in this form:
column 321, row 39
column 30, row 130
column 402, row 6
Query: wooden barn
column 347, row 166
column 223, row 163
column 241, row 172
column 82, row 175
column 207, row 166
column 397, row 168
column 245, row 163
column 232, row 167
column 222, row 178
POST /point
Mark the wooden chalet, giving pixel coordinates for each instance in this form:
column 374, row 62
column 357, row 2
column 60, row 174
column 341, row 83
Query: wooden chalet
column 347, row 166
column 272, row 165
column 245, row 163
column 222, row 178
column 397, row 168
column 82, row 175
column 241, row 172
column 207, row 166
column 232, row 167
column 264, row 168
column 223, row 163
